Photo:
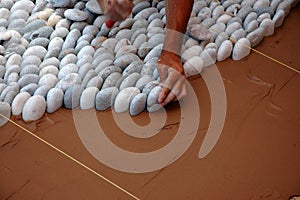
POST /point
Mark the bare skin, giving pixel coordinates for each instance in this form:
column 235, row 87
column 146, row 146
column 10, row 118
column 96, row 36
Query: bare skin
column 170, row 68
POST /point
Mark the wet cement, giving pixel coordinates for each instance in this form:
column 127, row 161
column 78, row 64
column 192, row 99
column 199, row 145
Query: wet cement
column 256, row 157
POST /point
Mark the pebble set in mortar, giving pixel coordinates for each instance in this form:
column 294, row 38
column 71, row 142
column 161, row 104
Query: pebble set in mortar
column 60, row 53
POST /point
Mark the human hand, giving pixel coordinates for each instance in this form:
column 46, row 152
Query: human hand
column 172, row 78
column 117, row 10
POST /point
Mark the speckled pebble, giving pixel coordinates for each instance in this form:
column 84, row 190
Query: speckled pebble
column 111, row 80
column 105, row 98
column 130, row 80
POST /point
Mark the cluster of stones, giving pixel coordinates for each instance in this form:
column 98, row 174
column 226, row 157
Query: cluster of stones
column 56, row 53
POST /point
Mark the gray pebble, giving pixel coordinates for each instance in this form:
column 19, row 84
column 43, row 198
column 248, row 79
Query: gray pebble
column 130, row 80
column 72, row 96
column 256, row 36
column 144, row 49
column 9, row 97
column 105, row 98
column 138, row 104
column 38, row 51
column 6, row 4
column 14, row 59
column 136, row 33
column 84, row 69
column 11, row 87
column 55, row 43
column 85, row 37
column 244, row 11
column 12, row 77
column 238, row 34
column 68, row 69
column 2, row 71
column 34, row 25
column 124, row 60
column 18, row 102
column 224, row 50
column 252, row 26
column 19, row 14
column 42, row 90
column 76, row 15
column 149, row 86
column 139, row 24
column 27, row 79
column 85, row 59
column 49, row 61
column 26, row 5
column 95, row 82
column 87, row 50
column 135, row 66
column 6, row 111
column 68, row 59
column 140, row 6
column 55, row 98
column 140, row 39
column 48, row 79
column 111, row 80
column 153, row 96
column 68, row 80
column 78, row 25
column 241, row 49
column 11, row 69
column 87, row 99
column 88, row 76
column 127, row 23
column 278, row 18
column 193, row 66
column 94, row 7
column 81, row 45
column 143, row 80
column 60, row 32
column 39, row 42
column 102, row 57
column 60, row 3
column 30, row 88
column 109, row 70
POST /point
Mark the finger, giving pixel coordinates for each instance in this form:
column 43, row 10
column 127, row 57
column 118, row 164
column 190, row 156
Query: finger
column 175, row 92
column 182, row 93
column 168, row 85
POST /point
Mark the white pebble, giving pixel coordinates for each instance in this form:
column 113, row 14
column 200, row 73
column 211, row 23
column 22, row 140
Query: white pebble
column 87, row 99
column 55, row 98
column 124, row 98
column 193, row 66
column 34, row 108
column 241, row 49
